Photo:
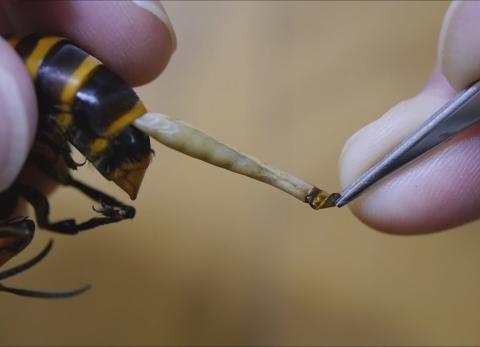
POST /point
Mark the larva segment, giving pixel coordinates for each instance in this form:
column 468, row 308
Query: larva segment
column 186, row 139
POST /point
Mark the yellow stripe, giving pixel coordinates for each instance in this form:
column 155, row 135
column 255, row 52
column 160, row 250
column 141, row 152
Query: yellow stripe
column 77, row 79
column 35, row 59
column 98, row 146
column 126, row 166
column 64, row 119
column 13, row 41
column 126, row 119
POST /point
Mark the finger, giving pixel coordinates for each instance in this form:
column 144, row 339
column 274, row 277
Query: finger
column 440, row 190
column 18, row 115
column 134, row 39
column 459, row 46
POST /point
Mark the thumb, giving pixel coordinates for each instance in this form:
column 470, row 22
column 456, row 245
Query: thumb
column 440, row 190
column 18, row 115
column 459, row 46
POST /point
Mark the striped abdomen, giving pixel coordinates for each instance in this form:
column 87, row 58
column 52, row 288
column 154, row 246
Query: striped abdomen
column 92, row 106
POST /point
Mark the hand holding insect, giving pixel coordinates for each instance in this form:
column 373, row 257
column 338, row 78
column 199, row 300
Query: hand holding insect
column 82, row 102
column 183, row 137
column 125, row 50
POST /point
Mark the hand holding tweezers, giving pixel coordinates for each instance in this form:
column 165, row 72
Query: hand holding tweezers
column 458, row 114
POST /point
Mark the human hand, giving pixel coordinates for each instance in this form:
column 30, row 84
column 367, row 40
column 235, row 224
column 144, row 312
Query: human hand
column 442, row 189
column 134, row 39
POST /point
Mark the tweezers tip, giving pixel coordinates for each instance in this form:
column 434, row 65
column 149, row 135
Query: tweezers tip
column 341, row 201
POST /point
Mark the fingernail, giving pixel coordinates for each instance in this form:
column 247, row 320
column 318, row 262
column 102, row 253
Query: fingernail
column 14, row 130
column 156, row 8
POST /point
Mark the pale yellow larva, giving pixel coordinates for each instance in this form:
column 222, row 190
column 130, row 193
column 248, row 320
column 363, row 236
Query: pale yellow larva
column 184, row 138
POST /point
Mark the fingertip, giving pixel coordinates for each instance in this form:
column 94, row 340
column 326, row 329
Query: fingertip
column 439, row 190
column 436, row 192
column 156, row 8
column 18, row 116
column 375, row 140
column 459, row 44
column 132, row 41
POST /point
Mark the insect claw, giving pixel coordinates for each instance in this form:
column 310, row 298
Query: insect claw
column 120, row 212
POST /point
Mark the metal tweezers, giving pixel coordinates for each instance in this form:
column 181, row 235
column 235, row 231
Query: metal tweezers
column 458, row 114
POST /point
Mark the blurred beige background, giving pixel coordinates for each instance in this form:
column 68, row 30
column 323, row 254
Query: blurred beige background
column 214, row 258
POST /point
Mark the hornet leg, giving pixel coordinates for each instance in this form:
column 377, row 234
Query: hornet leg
column 15, row 235
column 112, row 210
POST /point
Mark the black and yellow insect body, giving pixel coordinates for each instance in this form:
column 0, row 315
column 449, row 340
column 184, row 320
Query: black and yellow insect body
column 89, row 105
column 84, row 104
column 80, row 102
